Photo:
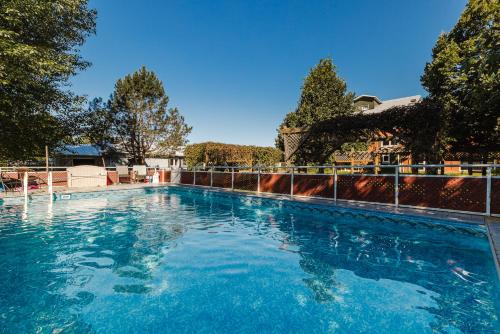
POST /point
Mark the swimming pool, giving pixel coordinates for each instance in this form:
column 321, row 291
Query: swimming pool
column 179, row 260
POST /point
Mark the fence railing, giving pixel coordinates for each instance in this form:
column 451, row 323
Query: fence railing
column 443, row 187
column 435, row 187
column 42, row 179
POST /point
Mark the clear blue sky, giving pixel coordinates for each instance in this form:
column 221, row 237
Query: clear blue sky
column 235, row 68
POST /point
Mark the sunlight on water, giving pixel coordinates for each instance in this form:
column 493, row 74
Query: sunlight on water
column 186, row 261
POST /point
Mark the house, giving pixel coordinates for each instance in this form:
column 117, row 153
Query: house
column 76, row 155
column 175, row 159
column 382, row 149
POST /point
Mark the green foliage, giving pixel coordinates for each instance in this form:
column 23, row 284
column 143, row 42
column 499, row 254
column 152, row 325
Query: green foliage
column 414, row 126
column 463, row 78
column 38, row 48
column 324, row 96
column 354, row 146
column 212, row 153
column 97, row 124
column 142, row 125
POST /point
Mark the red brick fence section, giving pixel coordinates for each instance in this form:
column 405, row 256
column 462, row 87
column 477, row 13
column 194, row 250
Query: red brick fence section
column 450, row 193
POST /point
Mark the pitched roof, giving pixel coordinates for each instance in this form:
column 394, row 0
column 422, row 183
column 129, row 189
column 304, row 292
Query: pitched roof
column 80, row 150
column 402, row 101
column 368, row 96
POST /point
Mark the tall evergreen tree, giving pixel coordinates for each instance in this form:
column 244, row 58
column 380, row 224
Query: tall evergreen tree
column 324, row 96
column 38, row 54
column 142, row 125
column 464, row 79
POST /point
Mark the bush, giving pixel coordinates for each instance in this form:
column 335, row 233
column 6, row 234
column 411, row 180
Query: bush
column 212, row 153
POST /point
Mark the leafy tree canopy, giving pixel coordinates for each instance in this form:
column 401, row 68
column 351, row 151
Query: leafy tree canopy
column 464, row 79
column 38, row 54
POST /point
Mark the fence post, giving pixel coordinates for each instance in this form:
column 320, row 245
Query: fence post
column 488, row 191
column 211, row 176
column 194, row 175
column 334, row 183
column 291, row 181
column 396, row 186
column 258, row 179
column 232, row 178
column 49, row 183
column 25, row 184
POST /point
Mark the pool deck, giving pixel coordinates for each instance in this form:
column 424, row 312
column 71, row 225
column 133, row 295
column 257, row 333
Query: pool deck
column 492, row 223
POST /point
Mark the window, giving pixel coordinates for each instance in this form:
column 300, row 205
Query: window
column 386, row 142
column 364, row 107
column 386, row 158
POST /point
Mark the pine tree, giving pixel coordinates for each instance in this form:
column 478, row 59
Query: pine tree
column 142, row 125
column 324, row 96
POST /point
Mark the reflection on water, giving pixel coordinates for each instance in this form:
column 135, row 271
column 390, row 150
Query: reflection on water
column 188, row 261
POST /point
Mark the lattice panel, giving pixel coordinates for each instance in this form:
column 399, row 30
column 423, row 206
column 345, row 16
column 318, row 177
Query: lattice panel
column 293, row 139
column 112, row 177
column 165, row 176
column 454, row 193
column 366, row 188
column 35, row 179
column 186, row 177
column 59, row 178
column 221, row 180
column 495, row 196
column 313, row 185
column 245, row 181
column 275, row 183
column 202, row 178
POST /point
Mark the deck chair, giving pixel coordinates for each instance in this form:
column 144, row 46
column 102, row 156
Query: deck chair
column 139, row 173
column 123, row 174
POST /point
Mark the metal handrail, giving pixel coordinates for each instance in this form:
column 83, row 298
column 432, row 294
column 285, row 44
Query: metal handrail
column 364, row 166
column 335, row 169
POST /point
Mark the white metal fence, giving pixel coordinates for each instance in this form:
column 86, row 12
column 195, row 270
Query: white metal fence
column 446, row 189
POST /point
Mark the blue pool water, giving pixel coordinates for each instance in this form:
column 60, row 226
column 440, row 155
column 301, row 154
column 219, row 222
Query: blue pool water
column 172, row 260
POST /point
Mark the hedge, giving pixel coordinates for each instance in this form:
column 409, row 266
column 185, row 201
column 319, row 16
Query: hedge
column 212, row 153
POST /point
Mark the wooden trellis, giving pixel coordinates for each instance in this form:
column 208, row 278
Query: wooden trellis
column 293, row 138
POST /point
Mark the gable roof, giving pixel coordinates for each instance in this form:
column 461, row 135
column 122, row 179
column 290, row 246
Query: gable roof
column 402, row 101
column 367, row 96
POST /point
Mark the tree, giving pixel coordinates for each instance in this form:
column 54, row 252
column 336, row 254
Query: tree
column 142, row 125
column 97, row 124
column 38, row 48
column 463, row 78
column 324, row 96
